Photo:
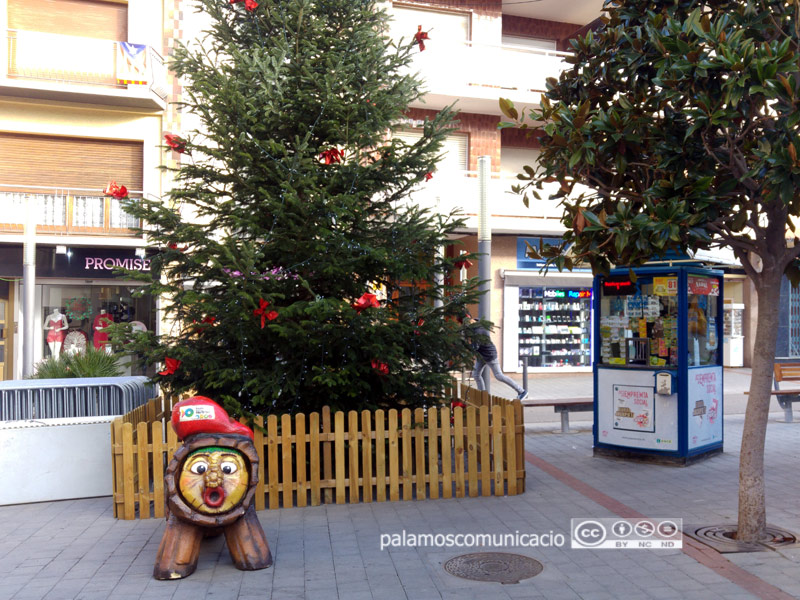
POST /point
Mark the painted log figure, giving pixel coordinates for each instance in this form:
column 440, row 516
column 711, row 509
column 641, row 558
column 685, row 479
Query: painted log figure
column 210, row 484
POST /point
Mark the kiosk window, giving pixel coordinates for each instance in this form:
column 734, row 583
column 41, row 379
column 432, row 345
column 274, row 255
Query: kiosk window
column 702, row 320
column 639, row 320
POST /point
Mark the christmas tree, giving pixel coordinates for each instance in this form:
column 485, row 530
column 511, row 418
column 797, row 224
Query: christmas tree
column 293, row 265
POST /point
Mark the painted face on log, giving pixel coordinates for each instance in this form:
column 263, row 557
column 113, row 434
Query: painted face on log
column 213, row 480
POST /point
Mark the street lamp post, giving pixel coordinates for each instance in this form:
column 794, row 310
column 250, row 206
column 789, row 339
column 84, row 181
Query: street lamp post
column 484, row 245
column 28, row 285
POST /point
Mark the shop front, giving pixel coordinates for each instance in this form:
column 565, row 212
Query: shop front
column 546, row 317
column 77, row 294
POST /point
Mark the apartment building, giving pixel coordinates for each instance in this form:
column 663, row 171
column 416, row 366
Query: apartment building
column 84, row 100
column 477, row 53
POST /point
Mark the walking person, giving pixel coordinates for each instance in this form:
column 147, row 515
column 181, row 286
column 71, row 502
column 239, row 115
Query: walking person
column 486, row 356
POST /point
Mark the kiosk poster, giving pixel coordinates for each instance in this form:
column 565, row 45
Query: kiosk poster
column 634, row 408
column 705, row 406
column 665, row 286
column 703, row 286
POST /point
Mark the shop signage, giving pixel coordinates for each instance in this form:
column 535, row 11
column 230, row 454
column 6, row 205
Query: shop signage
column 84, row 263
column 555, row 294
column 618, row 287
column 575, row 294
column 98, row 263
column 93, row 263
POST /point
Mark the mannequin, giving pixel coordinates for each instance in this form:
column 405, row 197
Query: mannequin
column 55, row 324
column 101, row 321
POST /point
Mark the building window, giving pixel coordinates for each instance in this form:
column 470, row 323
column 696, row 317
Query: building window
column 455, row 149
column 84, row 309
column 450, row 27
column 525, row 42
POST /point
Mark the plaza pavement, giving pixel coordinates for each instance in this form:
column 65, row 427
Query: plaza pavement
column 76, row 549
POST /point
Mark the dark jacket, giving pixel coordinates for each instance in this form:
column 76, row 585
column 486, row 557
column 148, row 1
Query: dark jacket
column 485, row 347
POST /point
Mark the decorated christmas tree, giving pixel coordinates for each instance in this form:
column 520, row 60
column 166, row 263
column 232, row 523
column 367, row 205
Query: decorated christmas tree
column 295, row 268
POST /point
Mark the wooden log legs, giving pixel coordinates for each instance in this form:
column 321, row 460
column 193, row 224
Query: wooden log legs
column 178, row 551
column 180, row 546
column 247, row 543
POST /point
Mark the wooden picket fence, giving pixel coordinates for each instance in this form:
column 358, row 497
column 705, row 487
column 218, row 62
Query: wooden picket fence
column 342, row 457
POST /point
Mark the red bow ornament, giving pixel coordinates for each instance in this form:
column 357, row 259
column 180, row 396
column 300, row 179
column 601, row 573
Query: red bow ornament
column 172, row 366
column 428, row 176
column 174, row 246
column 463, row 263
column 419, row 37
column 380, row 367
column 176, row 142
column 366, row 301
column 453, row 405
column 272, row 315
column 333, row 155
column 420, row 323
column 250, row 5
column 262, row 311
column 117, row 191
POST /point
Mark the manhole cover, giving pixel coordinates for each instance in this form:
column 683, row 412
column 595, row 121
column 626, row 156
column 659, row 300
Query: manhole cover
column 721, row 538
column 493, row 566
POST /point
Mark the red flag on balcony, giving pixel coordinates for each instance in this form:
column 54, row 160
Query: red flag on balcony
column 132, row 64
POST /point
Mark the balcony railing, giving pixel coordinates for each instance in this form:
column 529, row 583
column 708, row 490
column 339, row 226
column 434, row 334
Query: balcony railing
column 450, row 190
column 78, row 211
column 459, row 189
column 50, row 57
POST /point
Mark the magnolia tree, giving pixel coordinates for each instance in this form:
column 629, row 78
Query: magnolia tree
column 674, row 127
column 294, row 267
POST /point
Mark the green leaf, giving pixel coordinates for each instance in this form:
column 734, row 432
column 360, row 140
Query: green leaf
column 507, row 108
column 575, row 158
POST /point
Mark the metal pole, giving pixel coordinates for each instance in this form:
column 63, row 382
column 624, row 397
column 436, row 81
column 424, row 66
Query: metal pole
column 28, row 284
column 484, row 246
column 525, row 373
column 438, row 278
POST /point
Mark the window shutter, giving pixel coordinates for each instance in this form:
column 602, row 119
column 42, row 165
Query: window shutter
column 541, row 44
column 64, row 162
column 83, row 18
column 455, row 149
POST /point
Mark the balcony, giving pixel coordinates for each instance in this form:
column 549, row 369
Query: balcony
column 477, row 75
column 59, row 211
column 459, row 190
column 75, row 69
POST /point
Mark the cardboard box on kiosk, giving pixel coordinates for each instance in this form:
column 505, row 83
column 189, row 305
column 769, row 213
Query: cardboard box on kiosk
column 657, row 363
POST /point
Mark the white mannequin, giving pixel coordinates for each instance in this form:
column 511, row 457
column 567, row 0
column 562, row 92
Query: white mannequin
column 55, row 324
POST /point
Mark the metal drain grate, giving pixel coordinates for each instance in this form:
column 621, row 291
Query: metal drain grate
column 500, row 567
column 721, row 538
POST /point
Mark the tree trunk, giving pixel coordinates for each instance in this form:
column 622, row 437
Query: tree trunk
column 752, row 501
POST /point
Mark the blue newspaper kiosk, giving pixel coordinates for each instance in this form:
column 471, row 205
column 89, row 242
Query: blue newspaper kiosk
column 657, row 364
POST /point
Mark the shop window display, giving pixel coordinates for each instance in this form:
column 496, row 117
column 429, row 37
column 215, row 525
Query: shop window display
column 554, row 326
column 76, row 316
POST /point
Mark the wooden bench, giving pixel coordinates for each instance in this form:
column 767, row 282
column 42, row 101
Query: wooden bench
column 786, row 372
column 564, row 407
